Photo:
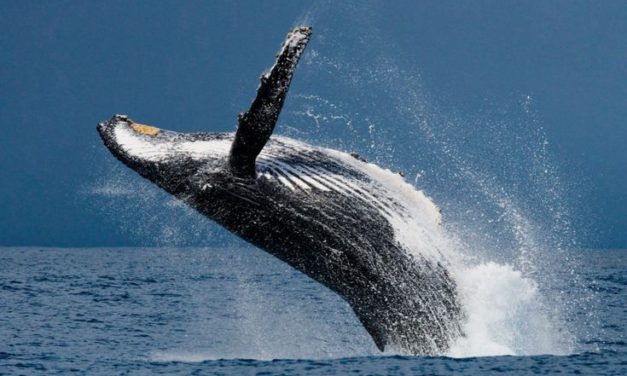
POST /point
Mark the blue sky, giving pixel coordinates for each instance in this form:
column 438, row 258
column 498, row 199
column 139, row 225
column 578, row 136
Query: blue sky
column 515, row 89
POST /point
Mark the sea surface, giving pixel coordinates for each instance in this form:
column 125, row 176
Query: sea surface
column 106, row 311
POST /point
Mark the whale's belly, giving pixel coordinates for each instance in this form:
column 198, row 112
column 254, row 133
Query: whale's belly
column 336, row 219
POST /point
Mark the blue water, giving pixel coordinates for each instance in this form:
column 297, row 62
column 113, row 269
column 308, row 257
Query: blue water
column 239, row 311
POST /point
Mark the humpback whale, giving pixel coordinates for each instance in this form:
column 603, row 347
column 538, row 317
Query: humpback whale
column 333, row 216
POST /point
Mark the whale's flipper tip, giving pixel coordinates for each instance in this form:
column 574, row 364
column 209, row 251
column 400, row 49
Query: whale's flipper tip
column 298, row 36
column 256, row 125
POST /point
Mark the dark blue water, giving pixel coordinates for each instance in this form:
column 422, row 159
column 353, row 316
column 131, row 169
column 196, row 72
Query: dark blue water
column 239, row 311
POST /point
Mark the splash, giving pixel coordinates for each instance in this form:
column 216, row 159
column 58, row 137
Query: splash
column 506, row 226
column 506, row 315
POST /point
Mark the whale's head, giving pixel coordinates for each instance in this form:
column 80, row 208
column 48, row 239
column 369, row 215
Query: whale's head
column 169, row 159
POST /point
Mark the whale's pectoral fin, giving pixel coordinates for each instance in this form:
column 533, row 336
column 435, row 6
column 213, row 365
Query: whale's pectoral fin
column 256, row 125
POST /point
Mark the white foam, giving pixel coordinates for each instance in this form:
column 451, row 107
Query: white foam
column 505, row 315
column 184, row 357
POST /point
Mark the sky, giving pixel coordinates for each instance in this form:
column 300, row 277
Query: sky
column 508, row 90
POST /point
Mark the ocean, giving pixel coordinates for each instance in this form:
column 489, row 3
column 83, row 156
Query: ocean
column 217, row 311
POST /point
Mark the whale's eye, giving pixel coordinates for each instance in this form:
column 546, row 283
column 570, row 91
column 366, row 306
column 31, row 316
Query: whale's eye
column 145, row 129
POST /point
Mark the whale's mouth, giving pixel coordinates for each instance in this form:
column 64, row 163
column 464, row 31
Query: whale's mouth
column 106, row 129
column 129, row 140
column 120, row 134
column 150, row 151
column 136, row 143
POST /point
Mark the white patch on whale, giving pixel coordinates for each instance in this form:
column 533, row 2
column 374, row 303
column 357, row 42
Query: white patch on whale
column 156, row 150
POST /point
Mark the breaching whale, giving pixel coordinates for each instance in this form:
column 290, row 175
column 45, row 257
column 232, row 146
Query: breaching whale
column 329, row 214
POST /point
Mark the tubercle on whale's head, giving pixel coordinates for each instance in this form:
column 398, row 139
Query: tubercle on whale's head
column 169, row 159
column 147, row 130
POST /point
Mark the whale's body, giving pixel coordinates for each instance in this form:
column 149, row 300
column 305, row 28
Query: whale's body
column 329, row 214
